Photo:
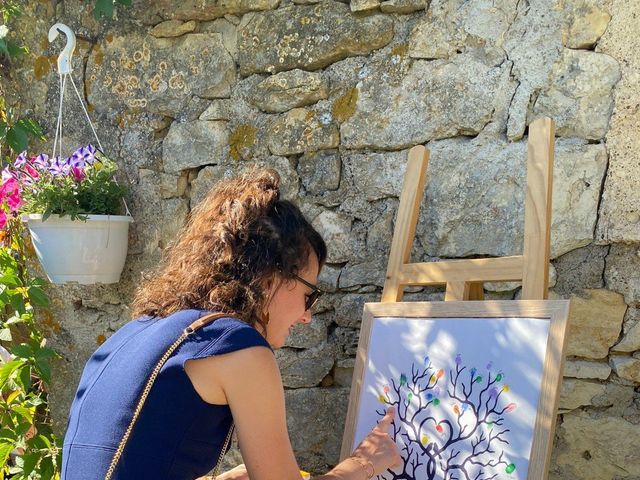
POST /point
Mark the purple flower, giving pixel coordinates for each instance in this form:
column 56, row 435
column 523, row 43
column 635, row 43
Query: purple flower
column 20, row 160
column 59, row 167
column 76, row 159
column 7, row 174
column 89, row 153
column 41, row 161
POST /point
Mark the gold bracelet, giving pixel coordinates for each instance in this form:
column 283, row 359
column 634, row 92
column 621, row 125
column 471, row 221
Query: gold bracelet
column 364, row 465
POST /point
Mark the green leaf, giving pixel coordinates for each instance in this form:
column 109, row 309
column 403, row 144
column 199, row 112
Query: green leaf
column 17, row 138
column 124, row 2
column 5, row 450
column 24, row 376
column 3, row 129
column 32, row 127
column 30, row 462
column 5, row 335
column 17, row 302
column 43, row 370
column 103, row 8
column 7, row 370
column 23, row 350
column 15, row 49
column 40, row 441
column 7, row 434
column 10, row 279
column 38, row 297
column 23, row 411
column 4, row 48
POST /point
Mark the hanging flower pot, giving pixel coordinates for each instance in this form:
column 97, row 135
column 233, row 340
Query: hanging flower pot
column 72, row 207
column 90, row 251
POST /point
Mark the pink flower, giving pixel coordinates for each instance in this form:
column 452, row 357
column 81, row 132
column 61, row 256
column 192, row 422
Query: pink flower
column 14, row 201
column 32, row 172
column 3, row 219
column 78, row 174
column 8, row 187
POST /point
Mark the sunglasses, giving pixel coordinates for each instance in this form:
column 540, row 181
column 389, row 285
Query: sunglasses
column 313, row 297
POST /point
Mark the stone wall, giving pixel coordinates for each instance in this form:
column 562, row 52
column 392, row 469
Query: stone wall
column 332, row 95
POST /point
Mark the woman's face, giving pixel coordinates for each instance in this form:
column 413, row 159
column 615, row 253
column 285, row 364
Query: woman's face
column 286, row 308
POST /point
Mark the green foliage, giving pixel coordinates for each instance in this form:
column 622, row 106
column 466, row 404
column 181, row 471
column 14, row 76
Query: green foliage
column 28, row 447
column 29, row 450
column 98, row 193
column 105, row 8
column 18, row 134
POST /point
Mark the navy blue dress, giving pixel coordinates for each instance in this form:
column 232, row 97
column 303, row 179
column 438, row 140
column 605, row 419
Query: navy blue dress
column 178, row 435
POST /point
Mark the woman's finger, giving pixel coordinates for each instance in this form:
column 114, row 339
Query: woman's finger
column 385, row 423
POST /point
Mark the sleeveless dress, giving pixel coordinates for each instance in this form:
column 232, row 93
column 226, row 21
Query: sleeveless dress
column 178, row 435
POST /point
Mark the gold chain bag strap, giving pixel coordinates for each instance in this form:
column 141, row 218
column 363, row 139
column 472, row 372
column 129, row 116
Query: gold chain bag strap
column 199, row 323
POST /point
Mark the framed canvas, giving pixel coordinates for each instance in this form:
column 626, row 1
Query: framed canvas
column 475, row 385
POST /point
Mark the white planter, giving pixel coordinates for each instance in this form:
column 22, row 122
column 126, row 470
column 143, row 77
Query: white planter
column 85, row 252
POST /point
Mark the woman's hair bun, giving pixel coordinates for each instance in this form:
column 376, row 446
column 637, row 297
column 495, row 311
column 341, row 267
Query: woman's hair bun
column 264, row 178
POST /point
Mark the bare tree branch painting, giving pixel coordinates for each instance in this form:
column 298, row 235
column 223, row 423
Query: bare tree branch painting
column 450, row 427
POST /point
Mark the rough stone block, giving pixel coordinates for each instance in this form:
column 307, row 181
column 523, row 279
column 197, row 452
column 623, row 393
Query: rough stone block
column 287, row 90
column 596, row 448
column 305, row 368
column 621, row 272
column 432, row 100
column 594, row 323
column 626, row 367
column 299, row 131
column 307, row 37
column 192, row 144
column 580, row 97
column 173, row 28
column 315, row 421
column 320, row 171
column 576, row 393
column 159, row 75
column 586, row 369
column 619, row 214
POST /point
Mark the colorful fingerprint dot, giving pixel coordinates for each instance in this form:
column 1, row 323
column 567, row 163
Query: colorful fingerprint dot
column 510, row 468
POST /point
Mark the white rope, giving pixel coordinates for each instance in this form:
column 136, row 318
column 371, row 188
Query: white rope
column 86, row 113
column 58, row 134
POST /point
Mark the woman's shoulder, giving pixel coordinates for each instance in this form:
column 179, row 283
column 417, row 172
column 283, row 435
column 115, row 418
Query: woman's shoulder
column 228, row 334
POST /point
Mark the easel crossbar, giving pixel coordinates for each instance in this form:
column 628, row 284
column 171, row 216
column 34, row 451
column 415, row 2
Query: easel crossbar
column 500, row 269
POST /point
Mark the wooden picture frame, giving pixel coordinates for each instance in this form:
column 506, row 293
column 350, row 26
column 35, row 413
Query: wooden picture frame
column 554, row 315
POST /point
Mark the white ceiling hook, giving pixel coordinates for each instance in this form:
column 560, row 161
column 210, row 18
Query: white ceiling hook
column 64, row 59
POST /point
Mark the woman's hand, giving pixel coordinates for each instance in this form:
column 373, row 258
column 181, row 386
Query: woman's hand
column 378, row 447
column 237, row 473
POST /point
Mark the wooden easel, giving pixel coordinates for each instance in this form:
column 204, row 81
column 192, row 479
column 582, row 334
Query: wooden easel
column 464, row 278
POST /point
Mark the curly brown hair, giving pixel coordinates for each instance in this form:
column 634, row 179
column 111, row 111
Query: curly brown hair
column 237, row 240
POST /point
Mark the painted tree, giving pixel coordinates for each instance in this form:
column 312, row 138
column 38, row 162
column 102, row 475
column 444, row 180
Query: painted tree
column 449, row 427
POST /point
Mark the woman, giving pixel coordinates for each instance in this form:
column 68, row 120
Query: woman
column 254, row 260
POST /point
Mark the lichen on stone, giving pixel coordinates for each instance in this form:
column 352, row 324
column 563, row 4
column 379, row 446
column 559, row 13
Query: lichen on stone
column 243, row 137
column 345, row 105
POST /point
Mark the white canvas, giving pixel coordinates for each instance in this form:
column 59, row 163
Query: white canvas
column 486, row 422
